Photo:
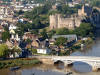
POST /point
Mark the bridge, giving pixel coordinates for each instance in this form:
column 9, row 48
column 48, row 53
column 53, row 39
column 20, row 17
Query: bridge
column 94, row 62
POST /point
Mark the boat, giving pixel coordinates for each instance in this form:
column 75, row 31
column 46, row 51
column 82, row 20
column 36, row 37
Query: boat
column 15, row 68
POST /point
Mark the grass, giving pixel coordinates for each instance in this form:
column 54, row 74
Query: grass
column 18, row 62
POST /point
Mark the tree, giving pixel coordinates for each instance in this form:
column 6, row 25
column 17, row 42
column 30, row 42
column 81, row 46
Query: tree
column 34, row 51
column 85, row 29
column 60, row 41
column 15, row 49
column 66, row 10
column 62, row 31
column 4, row 51
column 35, row 31
column 28, row 41
column 44, row 34
column 5, row 35
column 51, row 33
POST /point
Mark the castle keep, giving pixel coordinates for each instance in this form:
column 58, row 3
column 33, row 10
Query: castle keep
column 57, row 21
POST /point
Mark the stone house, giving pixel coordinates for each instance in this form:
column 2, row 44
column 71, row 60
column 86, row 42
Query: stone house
column 28, row 35
column 41, row 46
column 35, row 43
column 1, row 29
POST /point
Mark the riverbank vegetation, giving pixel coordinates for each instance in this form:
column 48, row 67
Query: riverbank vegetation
column 77, row 47
column 18, row 62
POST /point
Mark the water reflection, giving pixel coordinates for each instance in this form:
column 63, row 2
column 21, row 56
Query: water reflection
column 82, row 67
column 78, row 69
column 93, row 51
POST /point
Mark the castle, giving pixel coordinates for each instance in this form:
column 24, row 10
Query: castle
column 85, row 11
column 57, row 21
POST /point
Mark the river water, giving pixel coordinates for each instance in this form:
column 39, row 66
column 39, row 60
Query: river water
column 79, row 68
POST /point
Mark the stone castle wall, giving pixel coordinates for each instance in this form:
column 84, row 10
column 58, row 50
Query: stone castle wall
column 57, row 21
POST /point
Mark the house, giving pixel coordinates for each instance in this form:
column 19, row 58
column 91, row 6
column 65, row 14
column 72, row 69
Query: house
column 28, row 35
column 15, row 55
column 43, row 50
column 35, row 43
column 15, row 37
column 12, row 27
column 42, row 46
column 1, row 29
column 9, row 44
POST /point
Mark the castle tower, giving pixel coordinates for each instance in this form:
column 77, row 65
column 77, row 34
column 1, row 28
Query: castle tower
column 59, row 20
column 83, row 10
column 53, row 21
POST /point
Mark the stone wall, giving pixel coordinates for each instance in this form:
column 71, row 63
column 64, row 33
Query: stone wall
column 46, row 61
column 57, row 21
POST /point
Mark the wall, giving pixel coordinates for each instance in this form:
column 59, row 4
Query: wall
column 57, row 21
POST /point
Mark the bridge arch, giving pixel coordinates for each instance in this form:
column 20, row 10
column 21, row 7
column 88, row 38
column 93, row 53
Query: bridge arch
column 58, row 61
column 85, row 62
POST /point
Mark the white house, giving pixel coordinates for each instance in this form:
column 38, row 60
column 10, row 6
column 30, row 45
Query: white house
column 12, row 27
column 44, row 51
column 12, row 55
column 15, row 37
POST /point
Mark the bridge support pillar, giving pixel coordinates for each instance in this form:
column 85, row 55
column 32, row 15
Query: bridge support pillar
column 65, row 64
column 68, row 64
column 94, row 68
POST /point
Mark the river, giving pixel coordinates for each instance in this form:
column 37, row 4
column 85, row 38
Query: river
column 79, row 68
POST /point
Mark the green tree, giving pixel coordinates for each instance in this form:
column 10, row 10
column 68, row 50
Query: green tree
column 85, row 29
column 62, row 31
column 35, row 31
column 44, row 34
column 34, row 51
column 4, row 51
column 51, row 33
column 15, row 49
column 66, row 10
column 5, row 35
column 28, row 41
column 60, row 41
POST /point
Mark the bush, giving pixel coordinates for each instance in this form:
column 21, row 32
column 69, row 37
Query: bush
column 18, row 62
column 4, row 50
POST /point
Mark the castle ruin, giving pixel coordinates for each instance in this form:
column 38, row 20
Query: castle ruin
column 57, row 21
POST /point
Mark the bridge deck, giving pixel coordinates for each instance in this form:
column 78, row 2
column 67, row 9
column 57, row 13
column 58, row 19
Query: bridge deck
column 70, row 57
